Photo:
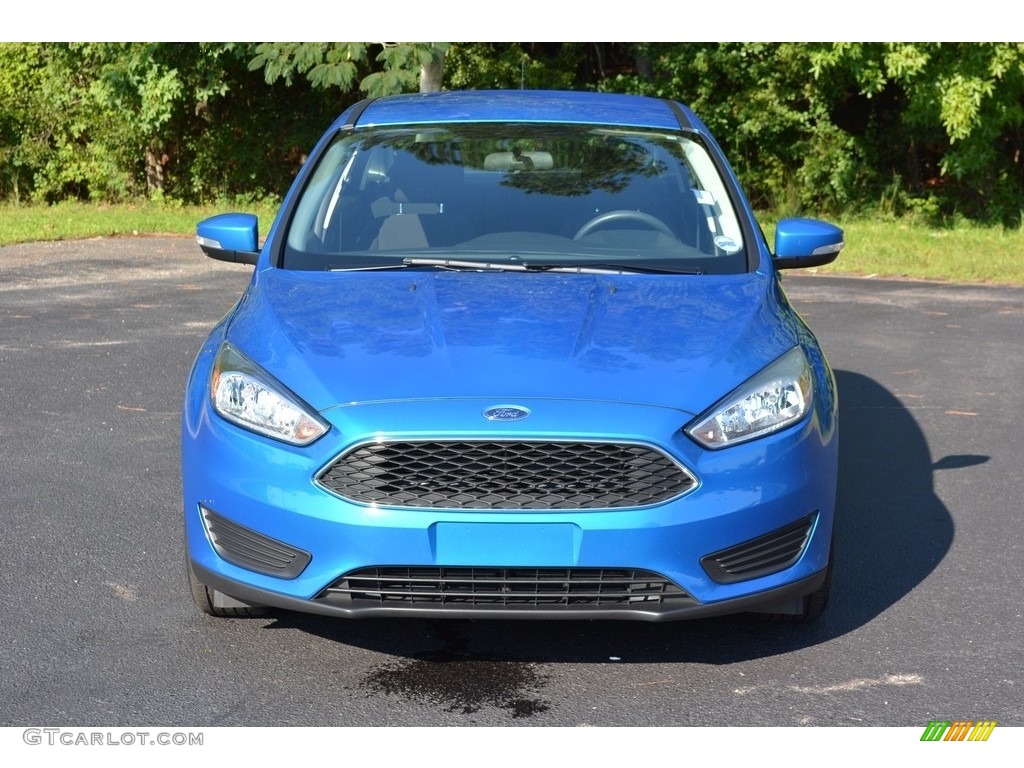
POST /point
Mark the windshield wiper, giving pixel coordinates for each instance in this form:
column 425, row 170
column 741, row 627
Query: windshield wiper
column 524, row 266
column 603, row 268
column 455, row 264
column 366, row 268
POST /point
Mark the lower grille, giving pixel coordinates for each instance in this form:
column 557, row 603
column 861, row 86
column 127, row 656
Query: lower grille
column 762, row 556
column 506, row 475
column 246, row 548
column 504, row 587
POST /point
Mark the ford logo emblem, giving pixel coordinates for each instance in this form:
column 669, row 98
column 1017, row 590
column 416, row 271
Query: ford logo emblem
column 506, row 413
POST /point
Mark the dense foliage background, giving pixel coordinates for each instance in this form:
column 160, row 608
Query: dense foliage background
column 928, row 129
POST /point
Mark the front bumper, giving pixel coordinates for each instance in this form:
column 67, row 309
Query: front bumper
column 780, row 599
column 742, row 493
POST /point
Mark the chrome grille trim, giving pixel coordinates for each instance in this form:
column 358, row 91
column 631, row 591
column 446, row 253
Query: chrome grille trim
column 506, row 475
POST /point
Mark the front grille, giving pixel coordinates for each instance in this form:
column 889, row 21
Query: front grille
column 249, row 549
column 761, row 556
column 506, row 475
column 466, row 588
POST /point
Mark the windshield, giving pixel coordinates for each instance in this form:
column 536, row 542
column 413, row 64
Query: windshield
column 542, row 196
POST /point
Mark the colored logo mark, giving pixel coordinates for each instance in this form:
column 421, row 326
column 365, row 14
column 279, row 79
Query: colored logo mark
column 958, row 730
column 506, row 413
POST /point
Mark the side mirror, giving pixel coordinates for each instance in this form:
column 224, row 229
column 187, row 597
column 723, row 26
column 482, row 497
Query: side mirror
column 230, row 237
column 806, row 243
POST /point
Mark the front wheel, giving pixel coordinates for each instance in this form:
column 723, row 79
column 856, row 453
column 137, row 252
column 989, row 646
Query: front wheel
column 212, row 602
column 811, row 606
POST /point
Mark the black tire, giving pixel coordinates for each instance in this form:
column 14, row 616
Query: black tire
column 205, row 598
column 813, row 605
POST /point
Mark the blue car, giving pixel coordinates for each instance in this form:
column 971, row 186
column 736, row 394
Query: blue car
column 518, row 354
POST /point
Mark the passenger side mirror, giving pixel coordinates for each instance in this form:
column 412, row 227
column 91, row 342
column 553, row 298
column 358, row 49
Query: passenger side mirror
column 230, row 237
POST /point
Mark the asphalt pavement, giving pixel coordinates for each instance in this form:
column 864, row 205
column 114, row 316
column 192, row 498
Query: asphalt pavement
column 925, row 623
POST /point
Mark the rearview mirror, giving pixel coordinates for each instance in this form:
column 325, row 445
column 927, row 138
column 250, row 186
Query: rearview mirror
column 519, row 161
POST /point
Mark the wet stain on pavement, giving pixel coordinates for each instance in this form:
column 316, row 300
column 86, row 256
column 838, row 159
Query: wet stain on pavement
column 459, row 681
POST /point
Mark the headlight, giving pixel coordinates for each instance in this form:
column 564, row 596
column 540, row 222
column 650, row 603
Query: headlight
column 245, row 394
column 778, row 396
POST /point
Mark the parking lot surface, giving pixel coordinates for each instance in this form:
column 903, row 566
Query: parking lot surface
column 96, row 338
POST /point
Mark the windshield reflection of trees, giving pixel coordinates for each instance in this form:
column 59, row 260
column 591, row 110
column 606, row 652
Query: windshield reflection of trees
column 586, row 160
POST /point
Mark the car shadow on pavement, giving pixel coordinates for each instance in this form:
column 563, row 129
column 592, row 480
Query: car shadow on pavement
column 891, row 532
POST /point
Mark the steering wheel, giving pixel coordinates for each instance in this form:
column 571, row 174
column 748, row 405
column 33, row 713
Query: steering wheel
column 623, row 215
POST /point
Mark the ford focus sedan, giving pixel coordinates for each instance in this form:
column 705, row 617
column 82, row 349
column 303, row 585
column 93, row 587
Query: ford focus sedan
column 512, row 355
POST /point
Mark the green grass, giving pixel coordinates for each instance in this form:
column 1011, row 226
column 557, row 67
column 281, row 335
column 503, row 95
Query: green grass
column 885, row 248
column 75, row 221
column 963, row 254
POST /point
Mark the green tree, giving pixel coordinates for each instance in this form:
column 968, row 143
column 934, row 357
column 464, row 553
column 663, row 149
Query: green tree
column 900, row 127
column 20, row 144
column 378, row 69
column 94, row 121
column 954, row 111
column 116, row 121
column 760, row 102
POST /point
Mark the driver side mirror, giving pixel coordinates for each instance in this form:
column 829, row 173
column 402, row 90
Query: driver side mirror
column 806, row 243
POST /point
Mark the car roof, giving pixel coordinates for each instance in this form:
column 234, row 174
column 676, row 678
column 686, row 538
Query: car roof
column 573, row 107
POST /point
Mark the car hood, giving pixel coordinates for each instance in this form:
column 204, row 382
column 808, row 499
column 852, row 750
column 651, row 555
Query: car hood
column 680, row 342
